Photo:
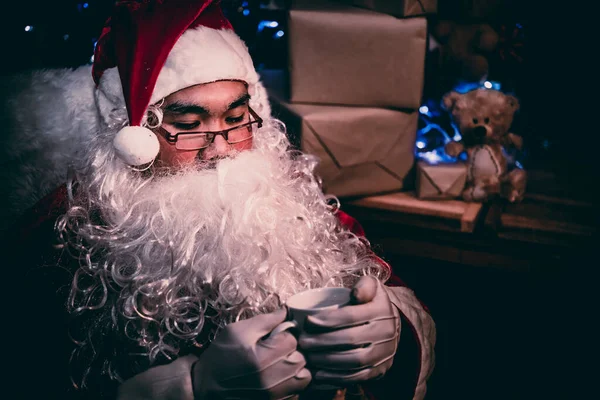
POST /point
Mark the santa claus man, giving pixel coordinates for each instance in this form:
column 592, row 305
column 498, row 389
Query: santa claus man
column 186, row 225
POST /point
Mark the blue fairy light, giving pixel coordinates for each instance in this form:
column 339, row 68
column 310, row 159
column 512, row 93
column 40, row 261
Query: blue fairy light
column 279, row 34
column 246, row 12
column 267, row 24
column 457, row 136
column 464, row 87
column 28, row 28
column 431, row 157
column 433, row 126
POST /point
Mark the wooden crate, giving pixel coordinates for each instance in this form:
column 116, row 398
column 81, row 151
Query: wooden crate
column 454, row 215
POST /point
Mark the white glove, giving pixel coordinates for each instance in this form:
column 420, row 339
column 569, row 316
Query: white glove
column 354, row 343
column 164, row 382
column 240, row 364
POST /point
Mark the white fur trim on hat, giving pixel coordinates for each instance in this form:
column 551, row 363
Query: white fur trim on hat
column 201, row 55
column 136, row 145
column 204, row 55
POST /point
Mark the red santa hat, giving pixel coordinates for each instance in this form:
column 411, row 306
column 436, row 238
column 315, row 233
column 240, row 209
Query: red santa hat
column 149, row 49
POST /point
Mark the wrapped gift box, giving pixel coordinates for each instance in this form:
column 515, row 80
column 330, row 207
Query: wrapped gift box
column 361, row 150
column 345, row 55
column 398, row 8
column 440, row 181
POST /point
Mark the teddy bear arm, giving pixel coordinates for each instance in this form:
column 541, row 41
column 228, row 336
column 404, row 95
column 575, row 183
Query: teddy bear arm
column 516, row 140
column 453, row 149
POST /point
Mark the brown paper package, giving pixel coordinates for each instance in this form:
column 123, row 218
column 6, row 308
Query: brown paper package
column 397, row 8
column 361, row 150
column 345, row 55
column 440, row 181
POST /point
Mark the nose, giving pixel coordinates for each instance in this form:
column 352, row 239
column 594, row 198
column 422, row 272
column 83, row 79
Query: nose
column 479, row 132
column 217, row 149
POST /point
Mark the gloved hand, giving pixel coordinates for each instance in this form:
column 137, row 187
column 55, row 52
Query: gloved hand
column 240, row 364
column 164, row 382
column 354, row 343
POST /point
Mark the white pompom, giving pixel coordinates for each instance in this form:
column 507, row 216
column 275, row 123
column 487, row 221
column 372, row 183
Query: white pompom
column 136, row 145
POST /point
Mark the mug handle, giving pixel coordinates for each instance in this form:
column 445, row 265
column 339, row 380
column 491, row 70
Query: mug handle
column 284, row 326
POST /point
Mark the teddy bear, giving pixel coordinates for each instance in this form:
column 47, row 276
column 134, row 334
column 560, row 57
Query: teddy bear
column 483, row 117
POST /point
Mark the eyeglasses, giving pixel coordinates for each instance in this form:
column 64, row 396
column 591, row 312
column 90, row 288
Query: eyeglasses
column 201, row 140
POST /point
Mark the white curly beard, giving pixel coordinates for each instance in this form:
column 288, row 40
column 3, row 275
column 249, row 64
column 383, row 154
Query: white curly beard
column 247, row 227
column 201, row 248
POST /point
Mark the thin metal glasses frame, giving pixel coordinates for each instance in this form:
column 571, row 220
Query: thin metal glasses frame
column 211, row 135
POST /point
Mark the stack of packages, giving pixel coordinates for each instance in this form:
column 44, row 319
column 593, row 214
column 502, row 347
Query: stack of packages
column 354, row 84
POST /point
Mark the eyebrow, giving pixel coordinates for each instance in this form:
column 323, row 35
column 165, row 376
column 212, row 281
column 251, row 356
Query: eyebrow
column 180, row 107
column 242, row 100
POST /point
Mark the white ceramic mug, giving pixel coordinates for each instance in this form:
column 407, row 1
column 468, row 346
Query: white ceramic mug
column 310, row 302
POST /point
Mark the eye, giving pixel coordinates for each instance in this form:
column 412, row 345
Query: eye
column 475, row 120
column 486, row 120
column 235, row 120
column 186, row 125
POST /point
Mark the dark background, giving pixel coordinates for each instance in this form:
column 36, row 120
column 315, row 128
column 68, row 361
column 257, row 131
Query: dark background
column 501, row 333
column 553, row 82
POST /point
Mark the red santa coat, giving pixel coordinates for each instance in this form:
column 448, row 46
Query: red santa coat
column 41, row 288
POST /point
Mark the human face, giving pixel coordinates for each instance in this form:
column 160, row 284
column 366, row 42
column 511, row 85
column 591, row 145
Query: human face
column 214, row 106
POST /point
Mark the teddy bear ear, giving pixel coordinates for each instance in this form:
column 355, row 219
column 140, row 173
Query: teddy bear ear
column 513, row 102
column 449, row 101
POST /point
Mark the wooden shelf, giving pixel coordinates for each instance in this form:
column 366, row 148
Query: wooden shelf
column 546, row 220
column 457, row 214
column 540, row 233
